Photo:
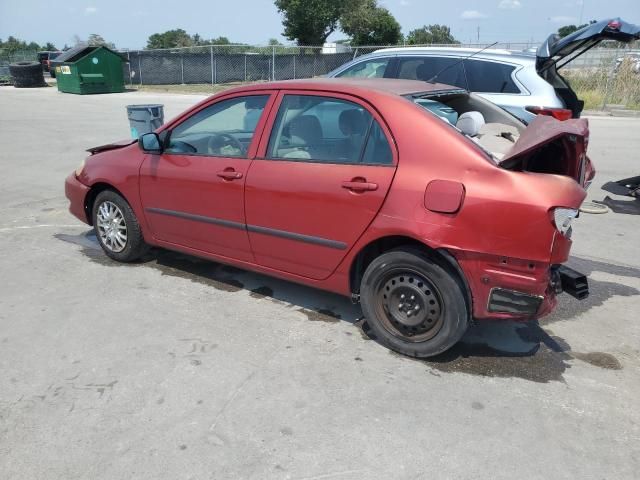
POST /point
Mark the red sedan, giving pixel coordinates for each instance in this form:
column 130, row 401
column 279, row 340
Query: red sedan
column 429, row 205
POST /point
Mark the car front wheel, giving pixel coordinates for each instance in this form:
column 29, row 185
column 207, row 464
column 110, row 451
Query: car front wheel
column 412, row 304
column 117, row 227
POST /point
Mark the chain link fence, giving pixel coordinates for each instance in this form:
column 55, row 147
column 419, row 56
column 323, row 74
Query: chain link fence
column 602, row 76
column 605, row 77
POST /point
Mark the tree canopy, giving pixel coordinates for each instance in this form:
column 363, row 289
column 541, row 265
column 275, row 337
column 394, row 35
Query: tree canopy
column 569, row 29
column 13, row 44
column 368, row 24
column 429, row 34
column 310, row 22
column 180, row 38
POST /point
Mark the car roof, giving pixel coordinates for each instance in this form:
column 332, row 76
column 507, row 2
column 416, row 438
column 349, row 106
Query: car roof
column 488, row 54
column 357, row 86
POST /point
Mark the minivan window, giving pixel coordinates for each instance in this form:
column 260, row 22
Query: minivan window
column 325, row 129
column 448, row 70
column 490, row 77
column 374, row 68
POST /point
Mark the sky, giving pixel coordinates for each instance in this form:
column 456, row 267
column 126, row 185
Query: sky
column 128, row 23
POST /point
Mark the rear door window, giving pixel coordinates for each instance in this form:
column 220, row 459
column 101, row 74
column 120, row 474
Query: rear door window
column 327, row 130
column 374, row 68
column 446, row 70
column 490, row 77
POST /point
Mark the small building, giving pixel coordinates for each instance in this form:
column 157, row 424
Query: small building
column 89, row 69
column 330, row 48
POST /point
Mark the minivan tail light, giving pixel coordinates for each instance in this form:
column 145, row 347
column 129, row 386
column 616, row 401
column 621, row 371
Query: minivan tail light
column 562, row 218
column 557, row 113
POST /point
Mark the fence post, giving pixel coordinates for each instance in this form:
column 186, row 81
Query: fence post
column 273, row 56
column 129, row 65
column 212, row 72
column 140, row 66
column 294, row 67
column 605, row 97
column 245, row 66
column 182, row 68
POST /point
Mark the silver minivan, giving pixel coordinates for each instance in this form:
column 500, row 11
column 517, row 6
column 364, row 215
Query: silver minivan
column 525, row 84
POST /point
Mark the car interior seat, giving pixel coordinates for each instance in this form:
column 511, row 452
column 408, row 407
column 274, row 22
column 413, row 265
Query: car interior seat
column 353, row 126
column 305, row 137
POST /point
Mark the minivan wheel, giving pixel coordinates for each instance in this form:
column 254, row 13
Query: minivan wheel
column 413, row 305
column 117, row 227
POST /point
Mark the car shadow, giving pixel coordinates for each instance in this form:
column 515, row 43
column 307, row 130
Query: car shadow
column 489, row 348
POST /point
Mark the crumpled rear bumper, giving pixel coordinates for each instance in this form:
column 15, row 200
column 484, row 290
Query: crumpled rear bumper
column 515, row 289
column 76, row 192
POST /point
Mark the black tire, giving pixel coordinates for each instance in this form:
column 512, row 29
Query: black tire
column 400, row 280
column 27, row 75
column 134, row 245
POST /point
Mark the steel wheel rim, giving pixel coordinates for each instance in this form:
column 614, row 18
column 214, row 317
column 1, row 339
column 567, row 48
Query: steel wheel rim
column 111, row 226
column 409, row 305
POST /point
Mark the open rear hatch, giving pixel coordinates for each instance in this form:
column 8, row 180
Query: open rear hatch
column 556, row 52
column 551, row 146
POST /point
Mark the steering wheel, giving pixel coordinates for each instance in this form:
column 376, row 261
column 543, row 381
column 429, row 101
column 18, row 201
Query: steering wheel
column 179, row 146
column 219, row 140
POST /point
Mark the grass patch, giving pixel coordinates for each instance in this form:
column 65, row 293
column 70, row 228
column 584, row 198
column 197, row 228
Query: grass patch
column 199, row 88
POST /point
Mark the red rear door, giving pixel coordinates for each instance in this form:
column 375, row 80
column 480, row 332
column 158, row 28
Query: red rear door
column 321, row 177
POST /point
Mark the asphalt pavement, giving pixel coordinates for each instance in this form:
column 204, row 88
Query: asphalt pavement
column 179, row 368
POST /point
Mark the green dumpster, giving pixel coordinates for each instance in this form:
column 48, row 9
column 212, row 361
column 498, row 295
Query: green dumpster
column 89, row 69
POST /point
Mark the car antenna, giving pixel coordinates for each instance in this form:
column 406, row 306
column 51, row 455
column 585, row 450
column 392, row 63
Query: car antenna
column 431, row 80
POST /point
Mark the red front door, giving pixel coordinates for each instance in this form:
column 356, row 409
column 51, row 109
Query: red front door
column 193, row 193
column 320, row 184
column 186, row 203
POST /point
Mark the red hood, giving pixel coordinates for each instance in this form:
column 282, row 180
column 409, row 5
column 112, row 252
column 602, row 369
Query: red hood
column 111, row 146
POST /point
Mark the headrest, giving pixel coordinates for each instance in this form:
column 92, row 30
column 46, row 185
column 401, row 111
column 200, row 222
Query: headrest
column 469, row 123
column 352, row 122
column 307, row 128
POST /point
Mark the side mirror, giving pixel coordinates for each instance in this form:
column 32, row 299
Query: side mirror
column 150, row 143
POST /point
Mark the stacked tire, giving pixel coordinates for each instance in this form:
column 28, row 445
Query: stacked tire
column 27, row 75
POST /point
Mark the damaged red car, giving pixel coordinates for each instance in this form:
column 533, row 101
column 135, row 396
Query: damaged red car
column 427, row 204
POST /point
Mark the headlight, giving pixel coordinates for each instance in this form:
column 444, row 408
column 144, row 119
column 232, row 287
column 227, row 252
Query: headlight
column 562, row 218
column 80, row 167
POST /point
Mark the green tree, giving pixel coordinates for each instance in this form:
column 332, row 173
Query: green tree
column 310, row 22
column 274, row 42
column 368, row 24
column 97, row 40
column 431, row 34
column 569, row 29
column 170, row 39
column 49, row 46
column 33, row 46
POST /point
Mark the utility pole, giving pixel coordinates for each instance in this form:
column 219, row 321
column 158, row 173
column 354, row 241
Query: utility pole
column 478, row 33
column 581, row 12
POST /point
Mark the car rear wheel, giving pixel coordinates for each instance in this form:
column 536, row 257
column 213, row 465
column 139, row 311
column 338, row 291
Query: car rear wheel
column 413, row 305
column 117, row 227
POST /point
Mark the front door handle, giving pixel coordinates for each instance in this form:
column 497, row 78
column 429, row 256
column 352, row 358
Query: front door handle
column 360, row 185
column 229, row 174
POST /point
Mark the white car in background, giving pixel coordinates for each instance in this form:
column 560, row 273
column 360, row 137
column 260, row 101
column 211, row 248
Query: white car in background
column 522, row 83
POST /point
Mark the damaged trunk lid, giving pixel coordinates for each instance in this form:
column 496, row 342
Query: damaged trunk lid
column 556, row 52
column 551, row 146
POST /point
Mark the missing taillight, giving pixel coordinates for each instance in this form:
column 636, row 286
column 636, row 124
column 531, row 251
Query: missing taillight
column 562, row 218
column 557, row 113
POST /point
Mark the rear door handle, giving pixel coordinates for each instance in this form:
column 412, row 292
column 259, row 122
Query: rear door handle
column 360, row 186
column 229, row 174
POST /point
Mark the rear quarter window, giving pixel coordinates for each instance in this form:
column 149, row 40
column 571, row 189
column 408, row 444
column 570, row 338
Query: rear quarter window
column 490, row 77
